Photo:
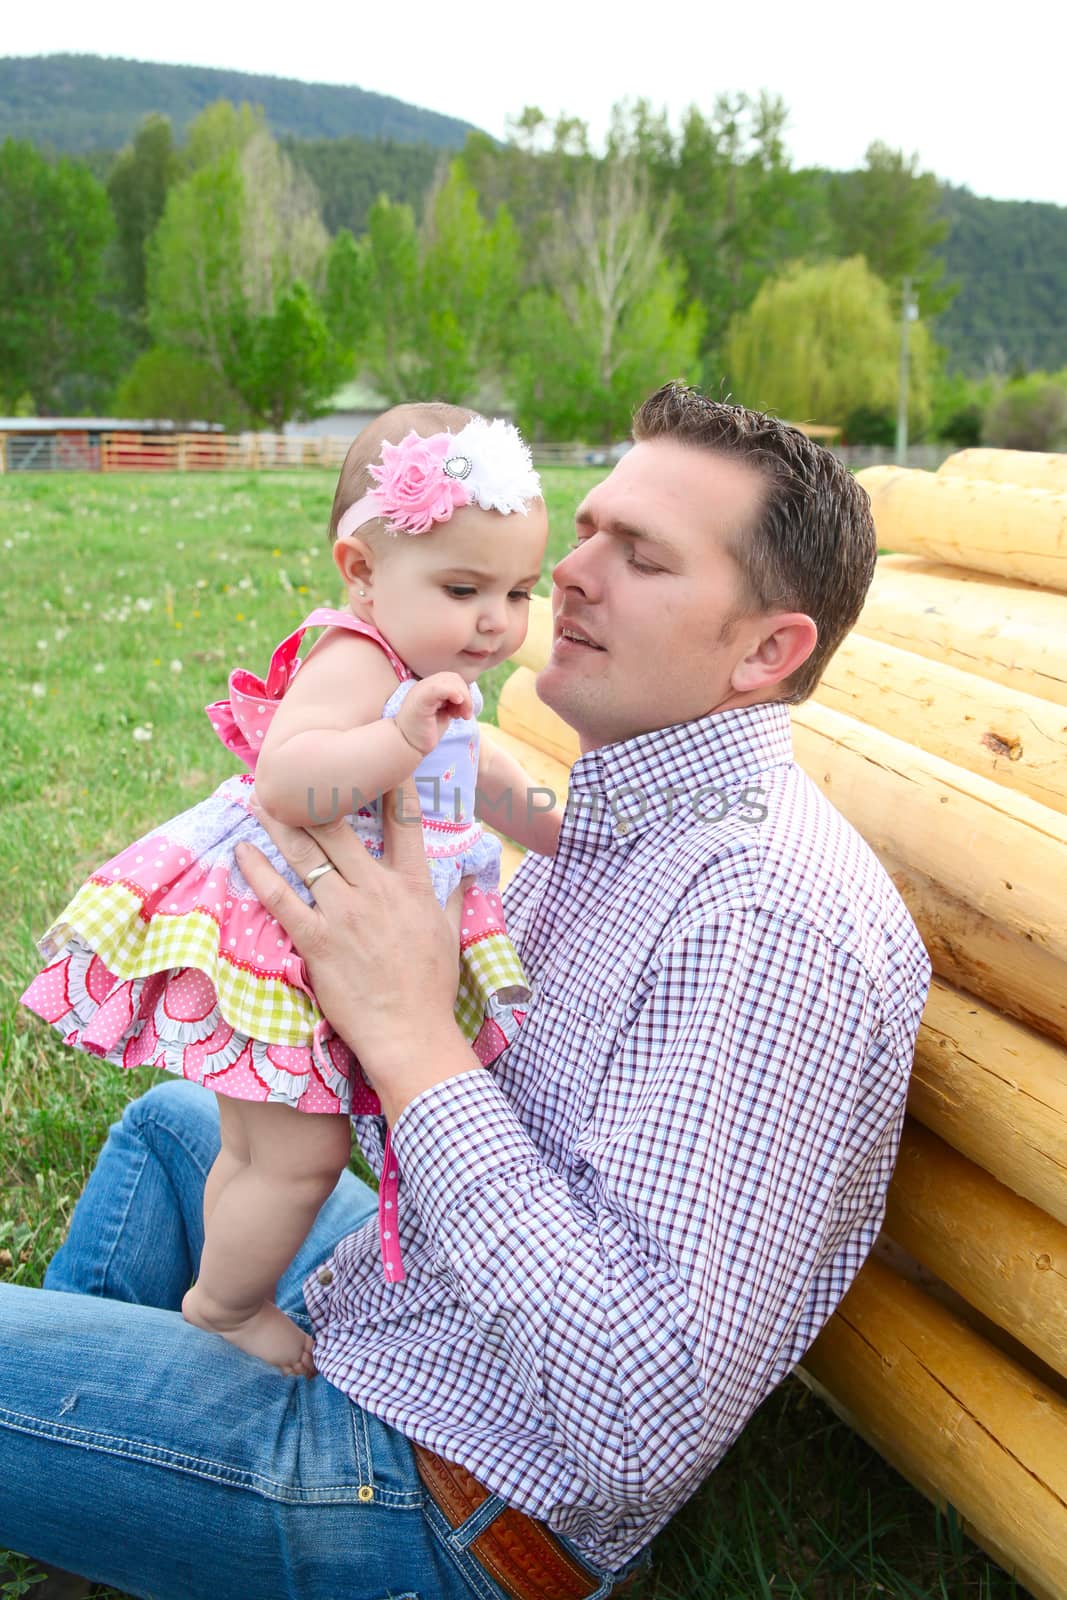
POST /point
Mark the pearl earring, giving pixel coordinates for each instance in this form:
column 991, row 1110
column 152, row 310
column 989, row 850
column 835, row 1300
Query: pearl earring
column 363, row 594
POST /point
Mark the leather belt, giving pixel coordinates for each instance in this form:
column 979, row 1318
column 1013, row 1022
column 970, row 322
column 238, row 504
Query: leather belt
column 518, row 1552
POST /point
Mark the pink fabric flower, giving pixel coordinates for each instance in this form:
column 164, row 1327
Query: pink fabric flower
column 413, row 490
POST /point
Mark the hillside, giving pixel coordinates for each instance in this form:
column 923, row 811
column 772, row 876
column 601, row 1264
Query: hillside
column 1010, row 260
column 79, row 103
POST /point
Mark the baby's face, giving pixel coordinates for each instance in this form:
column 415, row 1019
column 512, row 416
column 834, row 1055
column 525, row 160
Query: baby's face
column 457, row 599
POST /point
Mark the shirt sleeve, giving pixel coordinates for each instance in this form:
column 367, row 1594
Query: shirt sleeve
column 728, row 1182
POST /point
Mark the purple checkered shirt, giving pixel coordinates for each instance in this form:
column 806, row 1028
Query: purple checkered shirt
column 620, row 1239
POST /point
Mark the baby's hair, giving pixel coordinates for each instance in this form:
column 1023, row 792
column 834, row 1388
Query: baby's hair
column 426, row 417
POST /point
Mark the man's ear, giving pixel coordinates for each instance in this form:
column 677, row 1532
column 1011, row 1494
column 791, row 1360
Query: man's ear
column 354, row 560
column 781, row 650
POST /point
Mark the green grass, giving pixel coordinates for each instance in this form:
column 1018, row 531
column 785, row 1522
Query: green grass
column 125, row 602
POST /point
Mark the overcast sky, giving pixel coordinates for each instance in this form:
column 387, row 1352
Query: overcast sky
column 976, row 91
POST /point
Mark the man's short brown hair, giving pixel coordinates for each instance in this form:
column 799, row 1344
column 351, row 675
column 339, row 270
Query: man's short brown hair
column 813, row 548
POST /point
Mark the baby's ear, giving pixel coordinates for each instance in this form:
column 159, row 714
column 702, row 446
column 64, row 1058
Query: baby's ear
column 354, row 560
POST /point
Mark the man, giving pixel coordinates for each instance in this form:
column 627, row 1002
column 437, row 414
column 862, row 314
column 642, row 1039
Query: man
column 622, row 1238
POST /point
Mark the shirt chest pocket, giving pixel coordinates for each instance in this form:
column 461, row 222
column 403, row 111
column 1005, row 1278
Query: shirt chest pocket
column 547, row 1071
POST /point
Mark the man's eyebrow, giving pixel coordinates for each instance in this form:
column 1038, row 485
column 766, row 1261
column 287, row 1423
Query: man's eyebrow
column 584, row 517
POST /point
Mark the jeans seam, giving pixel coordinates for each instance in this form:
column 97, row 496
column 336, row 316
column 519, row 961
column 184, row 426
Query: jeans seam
column 104, row 1267
column 179, row 1461
column 464, row 1561
column 147, row 1121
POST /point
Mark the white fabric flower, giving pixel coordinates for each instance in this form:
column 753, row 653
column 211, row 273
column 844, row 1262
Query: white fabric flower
column 502, row 476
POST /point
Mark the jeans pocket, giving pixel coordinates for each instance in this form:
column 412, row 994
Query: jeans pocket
column 386, row 1467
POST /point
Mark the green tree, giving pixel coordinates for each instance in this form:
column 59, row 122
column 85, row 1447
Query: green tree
column 1029, row 414
column 59, row 331
column 196, row 296
column 958, row 405
column 233, row 266
column 181, row 387
column 888, row 212
column 137, row 186
column 291, row 363
column 221, row 129
column 740, row 210
column 345, row 296
column 608, row 322
column 438, row 297
column 821, row 342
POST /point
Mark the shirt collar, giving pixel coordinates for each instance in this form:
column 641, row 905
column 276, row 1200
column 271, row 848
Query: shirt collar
column 720, row 755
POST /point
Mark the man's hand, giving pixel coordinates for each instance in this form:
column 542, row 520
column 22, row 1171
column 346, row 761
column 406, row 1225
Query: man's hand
column 381, row 954
column 428, row 709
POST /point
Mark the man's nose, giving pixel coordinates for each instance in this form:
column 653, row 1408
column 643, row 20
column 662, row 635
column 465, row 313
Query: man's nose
column 577, row 569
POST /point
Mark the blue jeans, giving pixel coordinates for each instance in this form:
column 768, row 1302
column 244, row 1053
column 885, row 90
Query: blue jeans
column 149, row 1455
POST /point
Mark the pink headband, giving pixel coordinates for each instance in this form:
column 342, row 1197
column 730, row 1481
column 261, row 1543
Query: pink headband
column 422, row 481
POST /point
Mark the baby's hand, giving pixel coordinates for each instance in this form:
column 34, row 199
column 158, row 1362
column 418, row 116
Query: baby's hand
column 428, row 709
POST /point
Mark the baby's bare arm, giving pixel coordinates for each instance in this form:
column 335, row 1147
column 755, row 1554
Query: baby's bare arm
column 508, row 799
column 328, row 739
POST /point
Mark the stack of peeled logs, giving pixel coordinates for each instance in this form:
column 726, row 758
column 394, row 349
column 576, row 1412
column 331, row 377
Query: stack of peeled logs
column 940, row 732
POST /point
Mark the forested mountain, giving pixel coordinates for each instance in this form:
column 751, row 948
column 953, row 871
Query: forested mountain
column 75, row 104
column 350, row 174
column 1009, row 258
column 723, row 215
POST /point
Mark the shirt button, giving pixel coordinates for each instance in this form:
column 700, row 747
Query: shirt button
column 325, row 1276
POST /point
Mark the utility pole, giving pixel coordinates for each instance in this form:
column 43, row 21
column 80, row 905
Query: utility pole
column 909, row 311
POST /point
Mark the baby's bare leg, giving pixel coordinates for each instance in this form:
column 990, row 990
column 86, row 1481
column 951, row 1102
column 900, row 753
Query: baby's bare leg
column 259, row 1219
column 234, row 1153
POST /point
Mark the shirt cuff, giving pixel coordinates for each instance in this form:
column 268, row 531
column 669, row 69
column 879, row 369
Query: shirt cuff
column 456, row 1138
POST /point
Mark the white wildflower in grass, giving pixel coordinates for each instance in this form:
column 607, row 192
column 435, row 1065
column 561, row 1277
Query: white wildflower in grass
column 142, row 735
column 98, row 666
column 143, row 604
column 42, row 644
column 38, row 691
column 60, row 634
column 9, row 544
column 176, row 665
column 46, row 605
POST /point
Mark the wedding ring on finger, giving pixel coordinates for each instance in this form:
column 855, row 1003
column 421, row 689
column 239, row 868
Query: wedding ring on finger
column 316, row 873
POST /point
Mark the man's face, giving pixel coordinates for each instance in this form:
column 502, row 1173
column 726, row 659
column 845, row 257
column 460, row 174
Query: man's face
column 652, row 587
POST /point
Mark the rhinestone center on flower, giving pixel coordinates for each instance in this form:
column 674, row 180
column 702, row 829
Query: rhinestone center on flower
column 458, row 467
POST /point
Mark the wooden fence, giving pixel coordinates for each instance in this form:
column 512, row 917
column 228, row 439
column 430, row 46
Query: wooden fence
column 217, row 452
column 127, row 451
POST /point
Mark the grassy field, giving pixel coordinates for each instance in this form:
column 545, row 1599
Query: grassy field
column 124, row 604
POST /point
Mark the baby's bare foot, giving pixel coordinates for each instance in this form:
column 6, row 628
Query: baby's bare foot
column 268, row 1333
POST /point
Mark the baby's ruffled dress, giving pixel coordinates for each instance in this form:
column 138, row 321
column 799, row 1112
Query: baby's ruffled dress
column 165, row 958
